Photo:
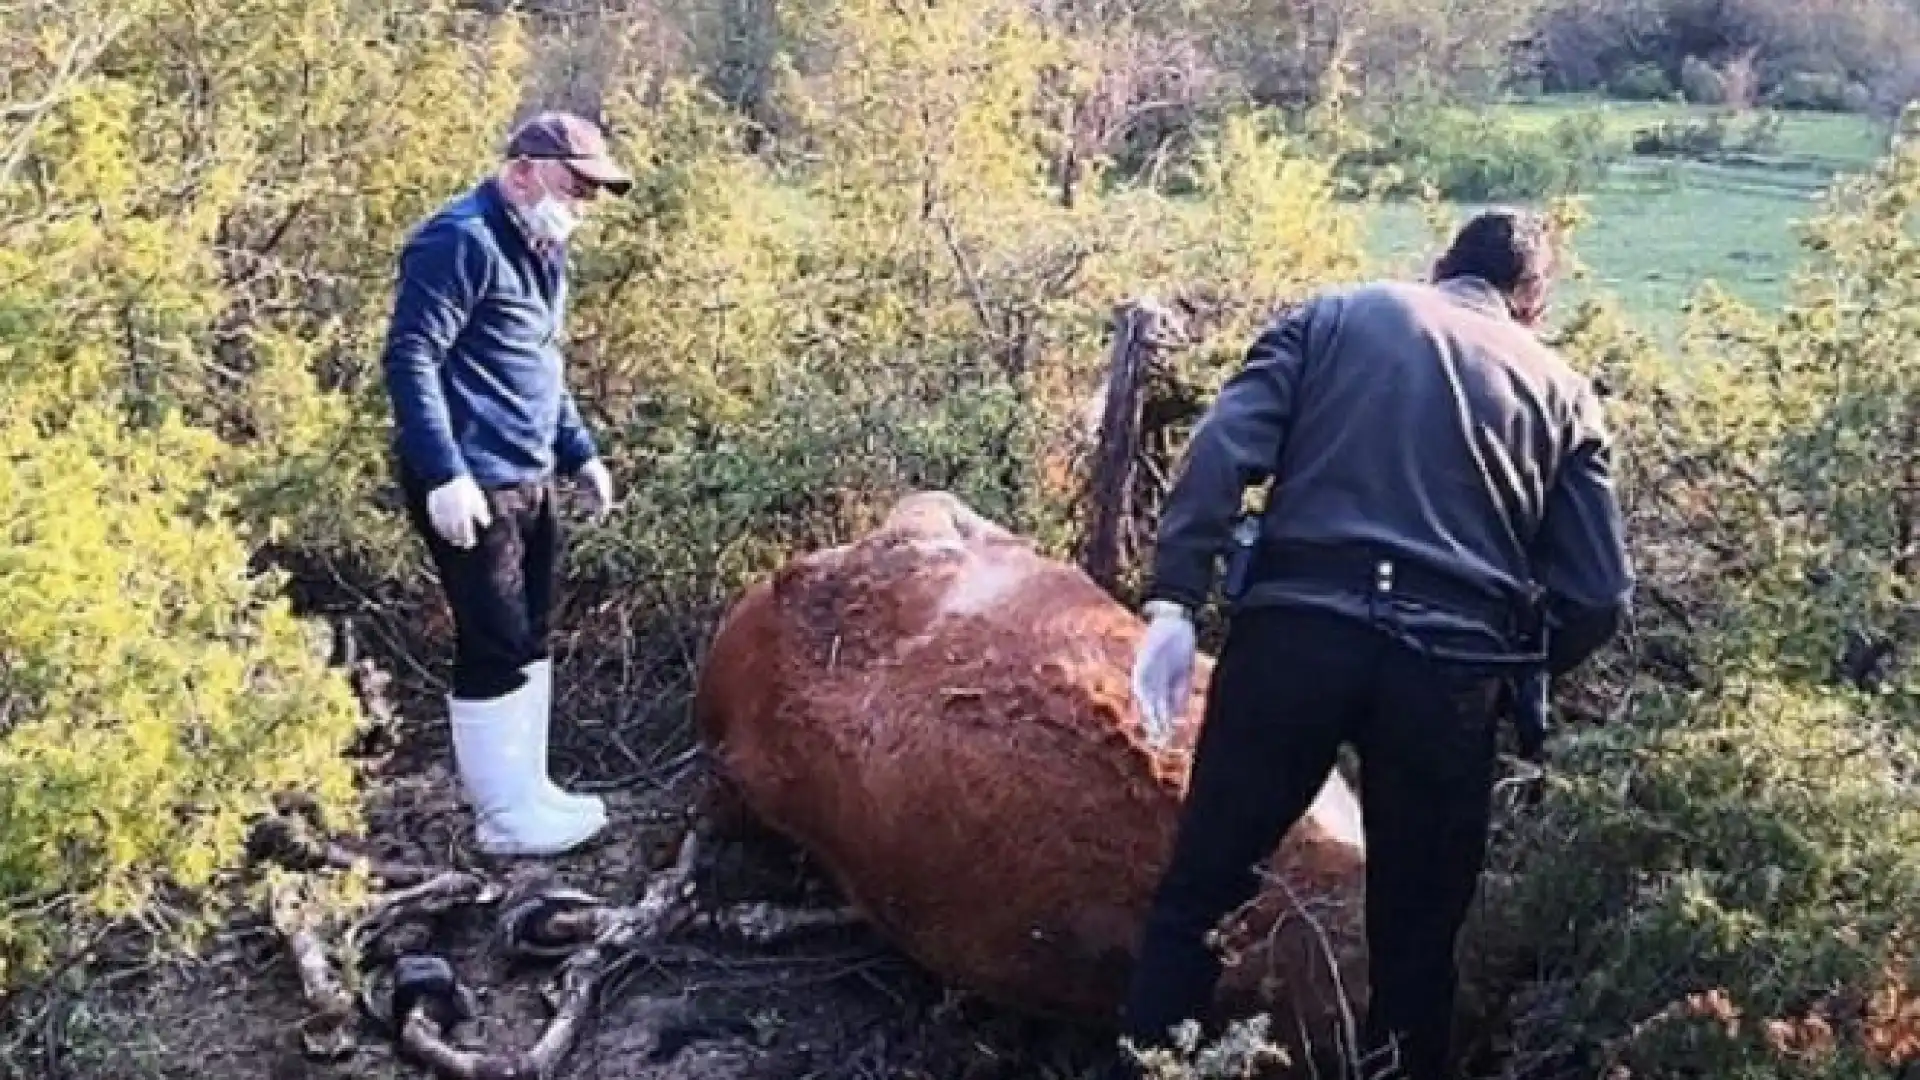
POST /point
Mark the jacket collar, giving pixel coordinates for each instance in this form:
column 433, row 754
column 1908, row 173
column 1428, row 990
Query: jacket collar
column 493, row 203
column 510, row 226
column 1478, row 294
column 506, row 218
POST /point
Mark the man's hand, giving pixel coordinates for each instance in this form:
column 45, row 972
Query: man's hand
column 1163, row 671
column 458, row 510
column 598, row 483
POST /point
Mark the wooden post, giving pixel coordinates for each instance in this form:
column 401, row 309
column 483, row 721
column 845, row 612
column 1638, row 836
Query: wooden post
column 1144, row 330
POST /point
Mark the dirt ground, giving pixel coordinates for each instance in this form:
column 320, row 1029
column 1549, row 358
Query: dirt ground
column 836, row 1004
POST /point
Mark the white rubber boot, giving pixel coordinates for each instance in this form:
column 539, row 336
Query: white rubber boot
column 493, row 747
column 540, row 677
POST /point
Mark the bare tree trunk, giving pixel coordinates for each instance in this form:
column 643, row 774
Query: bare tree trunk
column 1144, row 330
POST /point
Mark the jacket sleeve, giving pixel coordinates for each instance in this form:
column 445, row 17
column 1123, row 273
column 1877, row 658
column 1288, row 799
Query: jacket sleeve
column 1235, row 445
column 444, row 271
column 1580, row 555
column 573, row 444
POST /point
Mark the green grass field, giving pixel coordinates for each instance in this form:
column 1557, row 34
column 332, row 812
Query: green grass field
column 1659, row 227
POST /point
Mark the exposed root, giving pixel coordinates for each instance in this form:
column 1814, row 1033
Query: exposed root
column 417, row 997
column 662, row 1027
column 768, row 924
column 397, row 923
column 398, row 875
column 325, row 1033
column 612, row 937
column 295, row 838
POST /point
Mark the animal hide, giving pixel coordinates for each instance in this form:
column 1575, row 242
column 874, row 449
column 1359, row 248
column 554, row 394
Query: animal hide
column 942, row 718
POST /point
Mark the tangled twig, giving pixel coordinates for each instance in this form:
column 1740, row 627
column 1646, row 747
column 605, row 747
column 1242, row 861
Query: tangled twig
column 379, row 934
column 418, row 998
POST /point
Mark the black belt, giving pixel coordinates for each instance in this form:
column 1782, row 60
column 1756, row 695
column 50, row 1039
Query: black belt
column 1383, row 577
column 1376, row 572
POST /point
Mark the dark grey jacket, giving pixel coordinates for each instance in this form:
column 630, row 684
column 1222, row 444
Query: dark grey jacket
column 1423, row 422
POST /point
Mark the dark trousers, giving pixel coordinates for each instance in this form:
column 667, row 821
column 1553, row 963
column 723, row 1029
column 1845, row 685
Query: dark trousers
column 1289, row 688
column 501, row 589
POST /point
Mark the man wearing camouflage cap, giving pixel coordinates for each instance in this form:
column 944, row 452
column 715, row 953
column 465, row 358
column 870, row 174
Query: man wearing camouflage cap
column 483, row 424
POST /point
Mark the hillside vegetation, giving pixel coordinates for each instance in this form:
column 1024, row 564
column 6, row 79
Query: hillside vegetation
column 876, row 247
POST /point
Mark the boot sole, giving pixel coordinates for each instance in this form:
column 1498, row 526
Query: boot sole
column 510, row 846
column 580, row 807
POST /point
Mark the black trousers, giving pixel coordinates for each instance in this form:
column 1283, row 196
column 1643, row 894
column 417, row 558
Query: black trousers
column 1289, row 688
column 501, row 589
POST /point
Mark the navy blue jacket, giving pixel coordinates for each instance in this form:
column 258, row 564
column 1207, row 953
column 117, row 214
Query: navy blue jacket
column 472, row 359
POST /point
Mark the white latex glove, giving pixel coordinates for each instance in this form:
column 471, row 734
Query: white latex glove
column 598, row 483
column 1163, row 671
column 458, row 510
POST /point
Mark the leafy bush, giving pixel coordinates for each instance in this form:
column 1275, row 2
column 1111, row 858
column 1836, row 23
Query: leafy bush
column 1476, row 157
column 191, row 216
column 1702, row 83
column 1707, row 136
column 1754, row 847
column 1641, row 81
column 154, row 691
column 1725, row 878
column 1822, row 91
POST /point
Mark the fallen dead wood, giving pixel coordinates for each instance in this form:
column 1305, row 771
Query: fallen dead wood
column 417, row 998
column 665, row 907
column 325, row 1032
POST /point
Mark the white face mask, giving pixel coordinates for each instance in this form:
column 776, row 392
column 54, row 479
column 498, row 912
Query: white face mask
column 549, row 218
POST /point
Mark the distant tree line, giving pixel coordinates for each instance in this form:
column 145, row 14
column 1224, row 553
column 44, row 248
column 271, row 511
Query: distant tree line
column 1850, row 55
column 1840, row 55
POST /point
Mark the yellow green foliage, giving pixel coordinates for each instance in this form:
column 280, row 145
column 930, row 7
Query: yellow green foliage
column 208, row 215
column 197, row 213
column 154, row 691
column 1724, row 879
column 900, row 294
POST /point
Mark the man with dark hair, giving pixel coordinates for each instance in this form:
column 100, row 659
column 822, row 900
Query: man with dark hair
column 1441, row 523
column 483, row 422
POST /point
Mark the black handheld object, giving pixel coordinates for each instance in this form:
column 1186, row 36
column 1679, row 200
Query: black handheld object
column 1530, row 705
column 1246, row 542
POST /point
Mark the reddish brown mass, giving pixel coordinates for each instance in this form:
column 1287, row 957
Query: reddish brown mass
column 942, row 717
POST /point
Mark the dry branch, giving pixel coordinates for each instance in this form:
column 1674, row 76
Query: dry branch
column 324, row 1032
column 377, row 934
column 83, row 52
column 665, row 907
column 767, row 924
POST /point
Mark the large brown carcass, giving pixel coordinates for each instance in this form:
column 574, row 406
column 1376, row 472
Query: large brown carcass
column 941, row 717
